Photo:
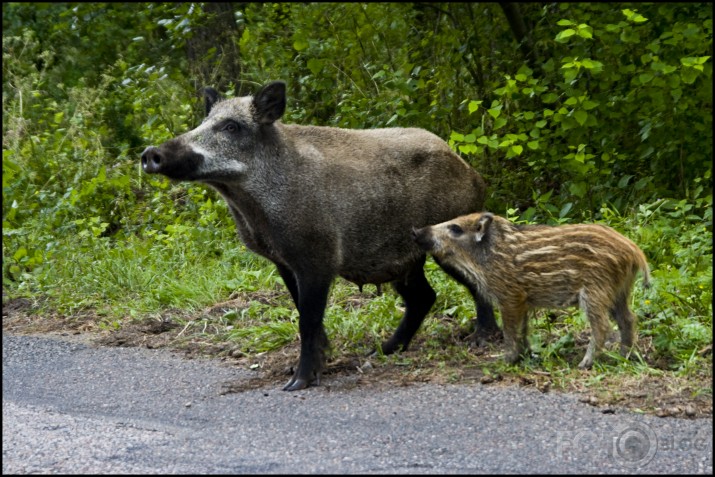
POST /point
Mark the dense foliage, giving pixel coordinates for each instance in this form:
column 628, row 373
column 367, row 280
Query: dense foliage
column 572, row 112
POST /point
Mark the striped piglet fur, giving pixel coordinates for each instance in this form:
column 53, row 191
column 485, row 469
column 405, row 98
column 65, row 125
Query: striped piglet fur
column 528, row 266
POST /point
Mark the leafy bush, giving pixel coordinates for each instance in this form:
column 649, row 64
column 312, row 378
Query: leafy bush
column 607, row 118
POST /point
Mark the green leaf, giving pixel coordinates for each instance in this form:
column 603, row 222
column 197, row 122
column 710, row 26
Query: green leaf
column 245, row 38
column 494, row 112
column 564, row 35
column 662, row 67
column 645, row 77
column 457, row 137
column 634, row 16
column 642, row 183
column 300, row 44
column 585, row 31
column 467, row 148
column 694, row 61
column 578, row 189
column 689, row 75
column 499, row 123
column 570, row 75
column 21, row 252
column 473, row 106
column 564, row 22
column 592, row 64
column 581, row 116
column 533, row 145
column 629, row 35
column 315, row 65
column 623, row 182
column 517, row 149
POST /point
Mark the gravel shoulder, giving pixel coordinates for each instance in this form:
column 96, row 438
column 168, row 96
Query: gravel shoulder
column 73, row 407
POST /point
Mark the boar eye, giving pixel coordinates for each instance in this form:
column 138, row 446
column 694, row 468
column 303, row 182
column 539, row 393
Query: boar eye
column 231, row 127
column 455, row 229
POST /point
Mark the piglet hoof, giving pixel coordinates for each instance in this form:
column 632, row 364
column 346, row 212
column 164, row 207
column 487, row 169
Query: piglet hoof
column 586, row 363
column 513, row 357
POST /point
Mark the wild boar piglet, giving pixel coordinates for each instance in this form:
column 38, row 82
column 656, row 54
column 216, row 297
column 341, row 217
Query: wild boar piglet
column 520, row 267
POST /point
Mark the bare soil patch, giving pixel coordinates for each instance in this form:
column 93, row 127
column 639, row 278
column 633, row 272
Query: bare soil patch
column 662, row 395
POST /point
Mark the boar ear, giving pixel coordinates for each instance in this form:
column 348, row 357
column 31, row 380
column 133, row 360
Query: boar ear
column 270, row 102
column 211, row 97
column 482, row 226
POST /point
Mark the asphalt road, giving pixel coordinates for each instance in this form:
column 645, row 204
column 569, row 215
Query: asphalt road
column 73, row 408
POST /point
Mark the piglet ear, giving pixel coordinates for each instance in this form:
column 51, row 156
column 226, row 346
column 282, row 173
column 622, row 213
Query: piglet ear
column 270, row 102
column 482, row 226
column 211, row 97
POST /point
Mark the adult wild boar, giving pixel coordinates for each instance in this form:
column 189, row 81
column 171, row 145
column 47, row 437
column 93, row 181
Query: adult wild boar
column 321, row 202
column 525, row 266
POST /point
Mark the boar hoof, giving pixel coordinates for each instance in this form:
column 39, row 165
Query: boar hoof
column 390, row 346
column 481, row 338
column 298, row 382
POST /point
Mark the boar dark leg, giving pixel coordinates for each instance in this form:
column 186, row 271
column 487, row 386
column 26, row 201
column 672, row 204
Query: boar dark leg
column 419, row 297
column 485, row 327
column 312, row 292
column 289, row 279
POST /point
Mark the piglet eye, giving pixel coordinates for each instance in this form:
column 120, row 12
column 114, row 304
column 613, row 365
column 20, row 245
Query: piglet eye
column 455, row 229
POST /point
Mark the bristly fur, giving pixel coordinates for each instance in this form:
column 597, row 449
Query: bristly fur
column 321, row 202
column 526, row 266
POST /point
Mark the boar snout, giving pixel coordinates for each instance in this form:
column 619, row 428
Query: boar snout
column 174, row 160
column 152, row 159
column 423, row 238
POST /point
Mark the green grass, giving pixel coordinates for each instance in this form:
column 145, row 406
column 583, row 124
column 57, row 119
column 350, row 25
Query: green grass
column 185, row 271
